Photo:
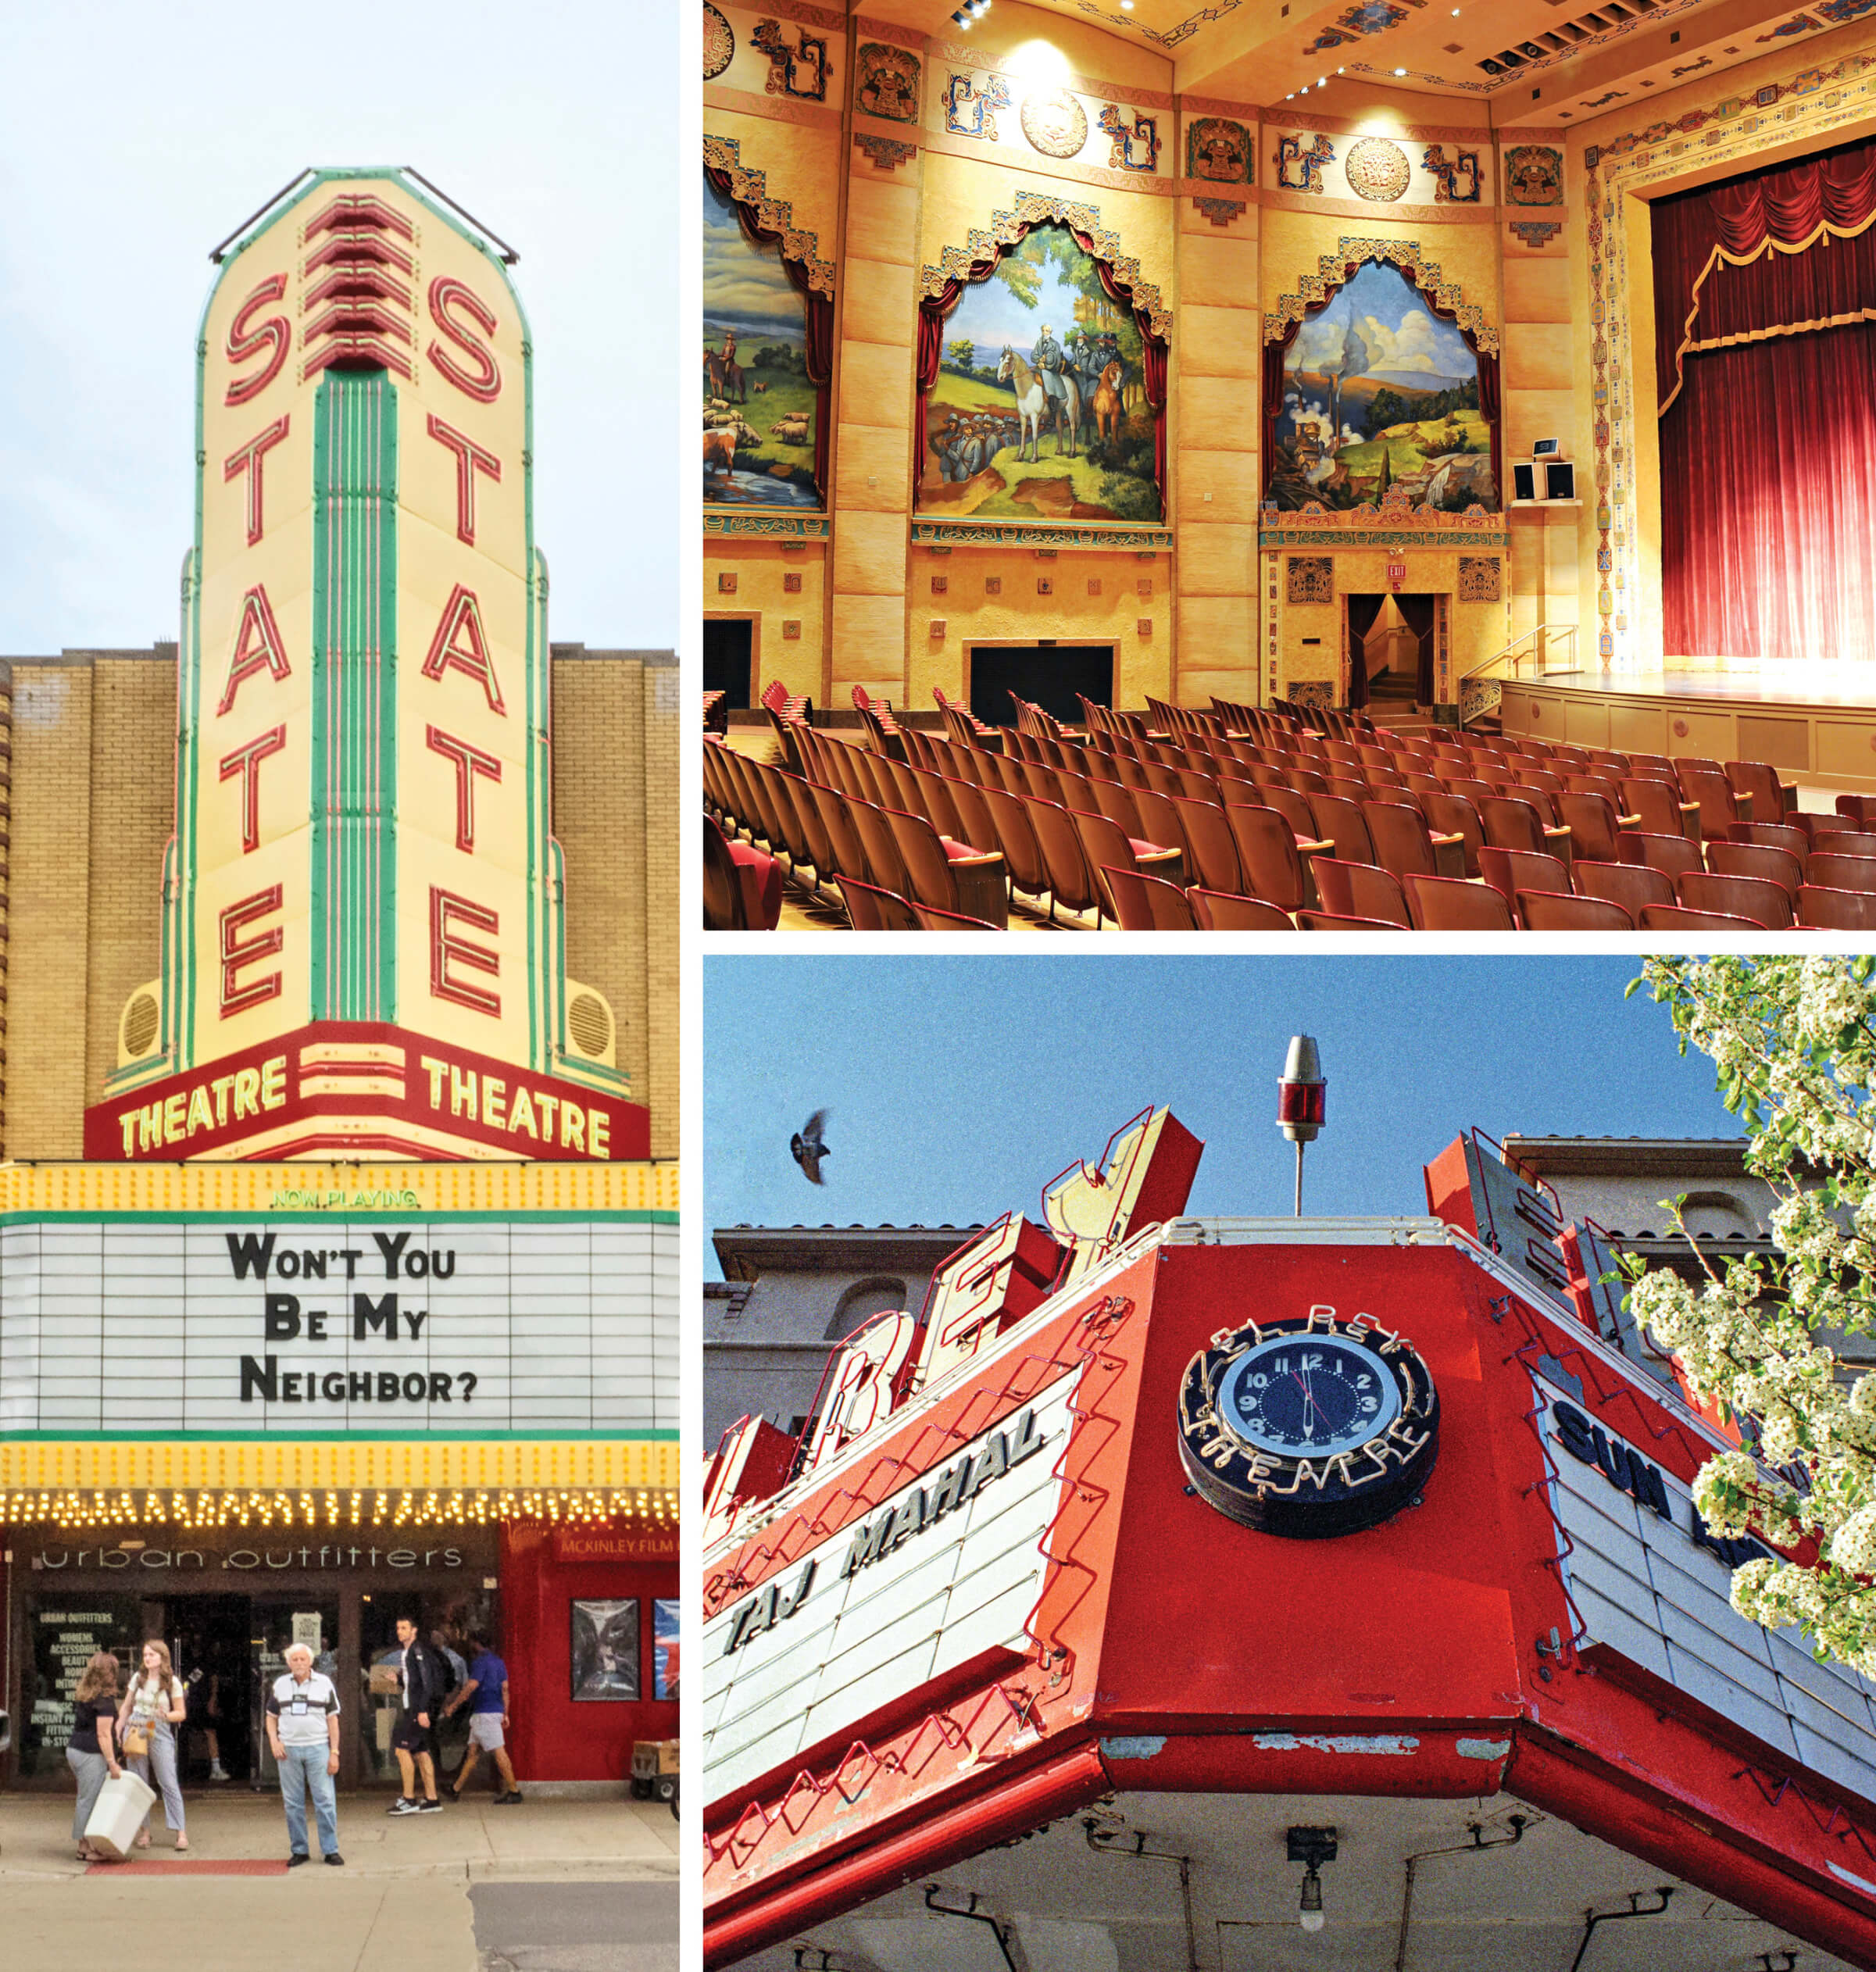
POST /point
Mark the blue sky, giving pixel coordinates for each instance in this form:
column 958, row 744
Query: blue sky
column 959, row 1087
column 1405, row 341
column 990, row 316
column 136, row 137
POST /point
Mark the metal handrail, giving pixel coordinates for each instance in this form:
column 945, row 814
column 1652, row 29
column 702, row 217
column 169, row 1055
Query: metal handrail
column 1540, row 653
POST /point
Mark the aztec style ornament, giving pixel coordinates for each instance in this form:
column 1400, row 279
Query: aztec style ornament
column 1311, row 579
column 1458, row 176
column 1143, row 131
column 962, row 96
column 1219, row 150
column 1308, row 1428
column 1377, row 169
column 1055, row 123
column 719, row 42
column 799, row 72
column 1299, row 165
column 1534, row 175
column 888, row 84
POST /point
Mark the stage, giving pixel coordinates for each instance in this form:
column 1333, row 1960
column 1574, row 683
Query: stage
column 1815, row 723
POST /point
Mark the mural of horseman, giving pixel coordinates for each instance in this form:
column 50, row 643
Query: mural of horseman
column 1037, row 346
column 1051, row 388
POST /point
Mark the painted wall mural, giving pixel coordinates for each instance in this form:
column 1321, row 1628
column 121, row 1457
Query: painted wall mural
column 759, row 407
column 1038, row 412
column 1380, row 396
column 1300, row 159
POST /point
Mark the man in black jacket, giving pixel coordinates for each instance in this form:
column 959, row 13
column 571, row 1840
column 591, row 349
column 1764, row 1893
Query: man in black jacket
column 425, row 1680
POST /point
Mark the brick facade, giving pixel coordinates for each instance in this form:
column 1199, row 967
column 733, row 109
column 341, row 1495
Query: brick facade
column 93, row 805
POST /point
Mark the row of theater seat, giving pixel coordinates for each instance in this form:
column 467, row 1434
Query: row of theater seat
column 1231, row 815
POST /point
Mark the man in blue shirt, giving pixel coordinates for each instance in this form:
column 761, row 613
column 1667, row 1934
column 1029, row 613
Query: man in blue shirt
column 485, row 1693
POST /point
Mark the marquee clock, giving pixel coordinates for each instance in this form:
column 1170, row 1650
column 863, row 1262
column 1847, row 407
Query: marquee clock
column 1308, row 1427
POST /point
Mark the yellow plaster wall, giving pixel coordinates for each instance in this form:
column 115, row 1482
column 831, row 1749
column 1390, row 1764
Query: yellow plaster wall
column 1093, row 598
column 799, row 163
column 760, row 570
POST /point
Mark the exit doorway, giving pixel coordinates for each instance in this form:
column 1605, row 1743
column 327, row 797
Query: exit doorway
column 1048, row 675
column 1390, row 643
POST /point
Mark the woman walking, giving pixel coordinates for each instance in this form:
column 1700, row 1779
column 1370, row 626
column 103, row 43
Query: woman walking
column 91, row 1752
column 154, row 1707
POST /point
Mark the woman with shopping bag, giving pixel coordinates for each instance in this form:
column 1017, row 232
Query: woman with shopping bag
column 153, row 1709
column 91, row 1752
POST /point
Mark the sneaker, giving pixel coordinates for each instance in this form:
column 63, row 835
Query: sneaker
column 402, row 1804
column 218, row 1772
column 429, row 1807
column 333, row 1861
column 508, row 1799
column 299, row 1855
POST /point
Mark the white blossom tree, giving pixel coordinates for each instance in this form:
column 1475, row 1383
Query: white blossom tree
column 1794, row 1041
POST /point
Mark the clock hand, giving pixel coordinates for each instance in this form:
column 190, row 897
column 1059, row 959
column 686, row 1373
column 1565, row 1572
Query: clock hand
column 1308, row 1430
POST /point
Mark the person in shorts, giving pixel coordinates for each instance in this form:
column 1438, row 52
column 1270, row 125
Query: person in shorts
column 423, row 1678
column 484, row 1691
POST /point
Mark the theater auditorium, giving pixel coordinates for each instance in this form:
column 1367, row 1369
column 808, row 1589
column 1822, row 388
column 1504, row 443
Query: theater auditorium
column 1151, row 1592
column 1440, row 432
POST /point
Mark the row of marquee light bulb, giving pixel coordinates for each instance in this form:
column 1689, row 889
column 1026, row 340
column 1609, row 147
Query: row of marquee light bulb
column 350, row 1509
column 1322, row 81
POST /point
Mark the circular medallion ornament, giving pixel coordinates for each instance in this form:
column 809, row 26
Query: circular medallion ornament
column 1377, row 169
column 1056, row 124
column 1308, row 1428
column 719, row 42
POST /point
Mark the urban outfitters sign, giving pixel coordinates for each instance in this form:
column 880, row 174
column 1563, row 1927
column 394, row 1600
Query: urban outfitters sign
column 469, row 1326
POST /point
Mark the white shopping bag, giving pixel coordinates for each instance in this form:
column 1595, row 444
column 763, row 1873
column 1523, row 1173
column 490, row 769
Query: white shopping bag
column 119, row 1814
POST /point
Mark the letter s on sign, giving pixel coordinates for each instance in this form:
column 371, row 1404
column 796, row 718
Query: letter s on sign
column 447, row 295
column 275, row 333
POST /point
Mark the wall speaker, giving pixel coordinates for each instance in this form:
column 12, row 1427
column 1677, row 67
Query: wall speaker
column 1559, row 480
column 1524, row 482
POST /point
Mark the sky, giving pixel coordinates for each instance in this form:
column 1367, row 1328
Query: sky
column 989, row 314
column 957, row 1087
column 740, row 285
column 1404, row 340
column 135, row 137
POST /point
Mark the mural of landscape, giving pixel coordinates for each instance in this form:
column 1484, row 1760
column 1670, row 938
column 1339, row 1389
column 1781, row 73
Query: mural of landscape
column 758, row 404
column 1039, row 411
column 1380, row 393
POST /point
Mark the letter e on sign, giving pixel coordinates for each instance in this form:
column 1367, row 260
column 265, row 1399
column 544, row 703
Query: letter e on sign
column 449, row 950
column 239, row 951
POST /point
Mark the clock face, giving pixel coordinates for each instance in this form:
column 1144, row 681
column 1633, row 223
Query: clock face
column 1308, row 1395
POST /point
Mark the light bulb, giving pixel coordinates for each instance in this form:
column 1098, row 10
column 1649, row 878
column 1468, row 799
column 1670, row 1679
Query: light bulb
column 1310, row 1913
column 1311, row 1920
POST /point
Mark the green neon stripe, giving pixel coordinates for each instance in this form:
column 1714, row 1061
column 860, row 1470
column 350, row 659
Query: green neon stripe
column 544, row 1437
column 354, row 955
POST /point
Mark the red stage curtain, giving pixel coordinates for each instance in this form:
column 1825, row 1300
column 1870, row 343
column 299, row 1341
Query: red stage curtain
column 817, row 342
column 1780, row 251
column 1768, row 500
column 935, row 310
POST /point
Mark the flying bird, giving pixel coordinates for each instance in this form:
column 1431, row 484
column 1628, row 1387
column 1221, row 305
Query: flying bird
column 808, row 1150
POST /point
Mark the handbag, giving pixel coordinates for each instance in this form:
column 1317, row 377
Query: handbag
column 136, row 1740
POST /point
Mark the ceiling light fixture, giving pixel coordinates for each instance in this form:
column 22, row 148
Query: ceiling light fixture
column 1400, row 72
column 1312, row 1847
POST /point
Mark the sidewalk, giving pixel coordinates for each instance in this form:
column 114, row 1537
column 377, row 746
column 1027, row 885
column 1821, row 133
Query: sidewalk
column 402, row 1903
column 622, row 1841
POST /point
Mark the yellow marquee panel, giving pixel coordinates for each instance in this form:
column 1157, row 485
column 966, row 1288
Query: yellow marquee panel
column 266, row 1464
column 478, row 1186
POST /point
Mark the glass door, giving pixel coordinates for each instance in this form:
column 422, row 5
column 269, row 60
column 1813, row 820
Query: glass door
column 275, row 1622
column 444, row 1617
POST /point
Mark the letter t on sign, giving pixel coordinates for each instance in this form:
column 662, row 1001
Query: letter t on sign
column 470, row 459
column 470, row 761
column 448, row 950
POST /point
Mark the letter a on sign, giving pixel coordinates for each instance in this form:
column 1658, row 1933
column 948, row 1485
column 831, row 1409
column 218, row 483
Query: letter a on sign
column 257, row 646
column 459, row 641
